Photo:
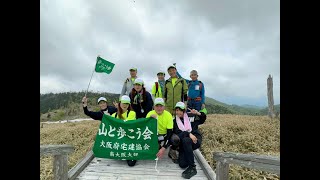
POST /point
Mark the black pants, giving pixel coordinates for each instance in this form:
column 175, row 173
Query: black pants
column 174, row 141
column 186, row 147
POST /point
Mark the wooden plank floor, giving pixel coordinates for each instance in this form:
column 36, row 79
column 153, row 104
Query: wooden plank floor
column 100, row 168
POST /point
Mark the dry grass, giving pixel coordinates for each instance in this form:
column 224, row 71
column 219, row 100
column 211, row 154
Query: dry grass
column 241, row 134
column 80, row 134
column 233, row 133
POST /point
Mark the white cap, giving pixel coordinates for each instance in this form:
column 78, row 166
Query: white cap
column 171, row 66
column 161, row 72
column 159, row 101
column 133, row 69
column 125, row 99
column 102, row 99
column 138, row 81
column 180, row 105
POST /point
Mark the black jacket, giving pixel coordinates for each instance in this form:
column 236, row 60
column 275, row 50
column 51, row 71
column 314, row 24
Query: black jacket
column 98, row 115
column 145, row 105
column 198, row 119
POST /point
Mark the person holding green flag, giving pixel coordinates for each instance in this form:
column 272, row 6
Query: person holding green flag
column 104, row 108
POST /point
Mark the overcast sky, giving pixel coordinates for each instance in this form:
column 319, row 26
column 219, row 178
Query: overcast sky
column 234, row 45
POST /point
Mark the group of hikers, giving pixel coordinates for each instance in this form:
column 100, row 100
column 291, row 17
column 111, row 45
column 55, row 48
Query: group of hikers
column 178, row 105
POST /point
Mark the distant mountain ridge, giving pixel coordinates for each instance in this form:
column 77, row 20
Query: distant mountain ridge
column 67, row 105
column 252, row 106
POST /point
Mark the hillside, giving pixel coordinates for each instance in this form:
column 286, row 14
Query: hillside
column 236, row 109
column 67, row 105
column 265, row 110
column 251, row 106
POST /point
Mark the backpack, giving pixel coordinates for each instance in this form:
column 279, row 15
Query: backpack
column 127, row 114
column 157, row 87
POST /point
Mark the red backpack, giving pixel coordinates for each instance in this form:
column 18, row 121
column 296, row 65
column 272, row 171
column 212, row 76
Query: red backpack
column 157, row 87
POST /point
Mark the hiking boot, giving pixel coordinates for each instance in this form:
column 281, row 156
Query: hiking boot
column 131, row 162
column 189, row 172
column 173, row 155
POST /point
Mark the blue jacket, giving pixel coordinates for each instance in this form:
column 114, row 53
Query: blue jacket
column 192, row 92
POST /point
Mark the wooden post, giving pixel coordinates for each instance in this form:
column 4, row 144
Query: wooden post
column 60, row 167
column 270, row 97
column 60, row 161
column 222, row 171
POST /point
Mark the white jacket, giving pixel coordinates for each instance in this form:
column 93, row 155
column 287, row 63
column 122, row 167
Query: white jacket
column 127, row 86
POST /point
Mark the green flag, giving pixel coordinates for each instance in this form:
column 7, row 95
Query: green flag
column 103, row 65
column 126, row 140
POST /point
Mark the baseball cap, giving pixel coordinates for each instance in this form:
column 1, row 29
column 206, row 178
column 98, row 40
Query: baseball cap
column 102, row 99
column 180, row 105
column 161, row 72
column 125, row 99
column 138, row 81
column 133, row 69
column 159, row 101
column 171, row 66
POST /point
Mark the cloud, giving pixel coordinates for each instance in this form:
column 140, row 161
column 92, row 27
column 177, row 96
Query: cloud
column 233, row 44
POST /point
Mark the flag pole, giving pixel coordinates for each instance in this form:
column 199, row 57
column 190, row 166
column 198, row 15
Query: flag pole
column 91, row 76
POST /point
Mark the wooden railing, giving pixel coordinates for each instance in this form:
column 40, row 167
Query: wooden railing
column 204, row 165
column 80, row 166
column 264, row 163
column 60, row 161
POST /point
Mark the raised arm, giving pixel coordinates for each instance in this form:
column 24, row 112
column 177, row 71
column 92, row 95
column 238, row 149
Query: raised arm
column 179, row 76
column 93, row 115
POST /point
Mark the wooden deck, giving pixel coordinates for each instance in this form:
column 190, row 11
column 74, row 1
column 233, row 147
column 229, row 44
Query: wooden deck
column 101, row 168
column 92, row 168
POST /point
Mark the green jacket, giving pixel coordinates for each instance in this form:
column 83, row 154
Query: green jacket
column 174, row 94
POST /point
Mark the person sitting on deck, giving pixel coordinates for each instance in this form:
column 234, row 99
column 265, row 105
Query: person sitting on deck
column 186, row 127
